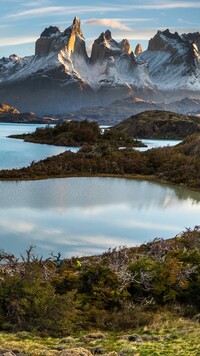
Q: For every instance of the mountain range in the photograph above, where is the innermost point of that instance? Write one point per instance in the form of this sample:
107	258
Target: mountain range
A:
60	77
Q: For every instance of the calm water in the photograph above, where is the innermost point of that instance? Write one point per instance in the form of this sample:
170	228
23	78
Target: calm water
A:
79	216
16	153
157	143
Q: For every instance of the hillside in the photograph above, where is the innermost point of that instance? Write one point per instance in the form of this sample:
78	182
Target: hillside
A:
124	301
158	124
11	114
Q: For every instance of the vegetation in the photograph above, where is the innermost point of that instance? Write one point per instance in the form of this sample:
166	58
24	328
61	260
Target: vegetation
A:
78	133
159	124
125	300
142	300
178	165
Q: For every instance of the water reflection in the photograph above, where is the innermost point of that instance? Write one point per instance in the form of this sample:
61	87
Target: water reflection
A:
78	216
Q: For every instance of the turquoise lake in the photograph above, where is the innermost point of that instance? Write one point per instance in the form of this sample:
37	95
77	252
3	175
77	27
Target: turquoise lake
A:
15	153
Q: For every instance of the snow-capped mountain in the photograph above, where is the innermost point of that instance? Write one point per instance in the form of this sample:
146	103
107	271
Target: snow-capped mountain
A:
174	62
61	77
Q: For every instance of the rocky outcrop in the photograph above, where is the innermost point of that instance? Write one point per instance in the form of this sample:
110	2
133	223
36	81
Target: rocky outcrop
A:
7	109
159	125
80	351
105	46
138	49
10	114
53	40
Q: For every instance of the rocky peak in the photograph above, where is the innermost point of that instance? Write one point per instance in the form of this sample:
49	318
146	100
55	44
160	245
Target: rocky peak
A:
157	43
138	49
50	31
125	46
74	29
70	42
108	35
105	47
4	108
193	38
173	42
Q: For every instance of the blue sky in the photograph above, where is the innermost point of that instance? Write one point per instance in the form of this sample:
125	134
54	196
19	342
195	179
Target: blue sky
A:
22	21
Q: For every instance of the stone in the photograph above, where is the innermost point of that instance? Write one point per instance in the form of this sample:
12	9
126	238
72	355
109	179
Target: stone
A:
75	352
138	49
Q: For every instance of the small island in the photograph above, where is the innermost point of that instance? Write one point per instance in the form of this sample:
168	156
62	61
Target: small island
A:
101	154
78	134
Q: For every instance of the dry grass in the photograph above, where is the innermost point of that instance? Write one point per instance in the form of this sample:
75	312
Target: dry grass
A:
167	335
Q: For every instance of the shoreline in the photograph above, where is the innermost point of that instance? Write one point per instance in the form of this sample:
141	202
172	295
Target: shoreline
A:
152	179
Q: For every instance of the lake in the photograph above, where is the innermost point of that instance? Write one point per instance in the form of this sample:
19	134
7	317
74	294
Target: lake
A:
16	153
81	216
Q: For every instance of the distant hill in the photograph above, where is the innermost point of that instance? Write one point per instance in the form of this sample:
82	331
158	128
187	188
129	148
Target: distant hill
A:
11	114
158	124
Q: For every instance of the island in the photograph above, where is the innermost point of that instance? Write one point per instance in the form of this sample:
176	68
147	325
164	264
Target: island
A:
110	153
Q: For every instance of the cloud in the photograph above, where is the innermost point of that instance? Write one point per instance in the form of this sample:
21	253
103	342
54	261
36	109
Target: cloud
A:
59	10
16	226
147	33
185	22
108	22
35	3
139	34
147	225
9	41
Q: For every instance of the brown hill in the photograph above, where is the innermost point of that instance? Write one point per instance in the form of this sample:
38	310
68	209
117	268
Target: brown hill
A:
190	146
160	125
11	114
8	109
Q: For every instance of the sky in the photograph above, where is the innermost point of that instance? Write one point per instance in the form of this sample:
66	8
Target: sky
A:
22	21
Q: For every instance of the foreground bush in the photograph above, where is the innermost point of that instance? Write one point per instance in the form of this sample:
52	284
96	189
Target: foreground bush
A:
119	290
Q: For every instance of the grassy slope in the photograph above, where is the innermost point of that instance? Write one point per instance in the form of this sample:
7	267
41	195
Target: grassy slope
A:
167	335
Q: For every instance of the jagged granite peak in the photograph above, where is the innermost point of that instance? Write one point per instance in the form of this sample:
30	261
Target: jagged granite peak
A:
76	27
172	42
60	77
53	40
138	49
105	46
174	61
50	31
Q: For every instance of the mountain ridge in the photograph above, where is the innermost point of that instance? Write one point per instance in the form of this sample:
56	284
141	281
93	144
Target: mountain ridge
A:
60	77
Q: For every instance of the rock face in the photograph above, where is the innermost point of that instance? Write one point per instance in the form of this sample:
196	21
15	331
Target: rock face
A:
60	77
160	125
10	114
53	40
105	46
174	62
138	49
6	109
